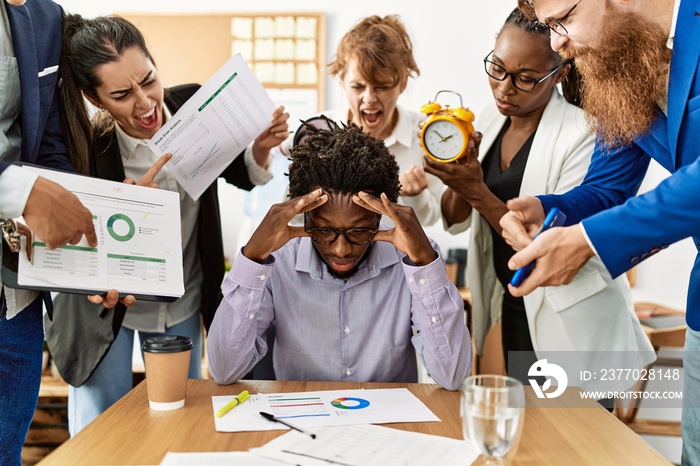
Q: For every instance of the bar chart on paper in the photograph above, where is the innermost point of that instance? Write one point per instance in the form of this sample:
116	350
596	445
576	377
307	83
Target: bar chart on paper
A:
284	407
323	408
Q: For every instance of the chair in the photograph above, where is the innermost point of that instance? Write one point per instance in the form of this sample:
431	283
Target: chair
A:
453	273
264	369
664	327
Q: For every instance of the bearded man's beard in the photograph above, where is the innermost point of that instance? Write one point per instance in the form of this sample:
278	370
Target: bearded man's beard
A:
624	79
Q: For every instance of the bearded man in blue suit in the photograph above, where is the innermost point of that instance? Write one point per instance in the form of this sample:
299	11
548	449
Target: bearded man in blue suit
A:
30	131
639	60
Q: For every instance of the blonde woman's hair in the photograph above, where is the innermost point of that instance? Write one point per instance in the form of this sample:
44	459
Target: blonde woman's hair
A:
381	48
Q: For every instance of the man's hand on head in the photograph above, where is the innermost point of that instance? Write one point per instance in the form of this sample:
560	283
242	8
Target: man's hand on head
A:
274	231
407	235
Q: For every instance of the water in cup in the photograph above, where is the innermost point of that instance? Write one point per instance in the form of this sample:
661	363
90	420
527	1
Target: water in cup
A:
494	434
493	408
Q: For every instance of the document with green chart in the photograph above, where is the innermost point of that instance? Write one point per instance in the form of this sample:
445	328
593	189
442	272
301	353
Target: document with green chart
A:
214	126
139	247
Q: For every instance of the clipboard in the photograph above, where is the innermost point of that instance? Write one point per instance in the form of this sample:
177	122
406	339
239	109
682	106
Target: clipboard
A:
10	263
16	236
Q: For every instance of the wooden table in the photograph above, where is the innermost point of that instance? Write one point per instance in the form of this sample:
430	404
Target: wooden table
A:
129	433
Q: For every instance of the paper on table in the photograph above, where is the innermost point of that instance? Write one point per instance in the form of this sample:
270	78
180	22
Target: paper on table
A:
218	459
214	126
368	445
139	248
323	408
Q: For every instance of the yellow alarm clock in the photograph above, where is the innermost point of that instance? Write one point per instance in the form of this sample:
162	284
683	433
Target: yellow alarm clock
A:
445	134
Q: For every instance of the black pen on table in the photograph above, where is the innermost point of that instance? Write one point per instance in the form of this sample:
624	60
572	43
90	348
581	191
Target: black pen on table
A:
272	418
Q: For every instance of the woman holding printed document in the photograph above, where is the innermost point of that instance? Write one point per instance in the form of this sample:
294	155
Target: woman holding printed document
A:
106	61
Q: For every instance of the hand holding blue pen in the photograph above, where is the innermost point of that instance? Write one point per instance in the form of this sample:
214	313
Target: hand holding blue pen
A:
554	218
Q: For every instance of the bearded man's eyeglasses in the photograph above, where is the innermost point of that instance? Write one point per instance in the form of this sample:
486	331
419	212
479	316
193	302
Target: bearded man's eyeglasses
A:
557	25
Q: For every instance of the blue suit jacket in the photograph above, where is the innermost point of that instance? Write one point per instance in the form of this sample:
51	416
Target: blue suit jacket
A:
36	36
629	233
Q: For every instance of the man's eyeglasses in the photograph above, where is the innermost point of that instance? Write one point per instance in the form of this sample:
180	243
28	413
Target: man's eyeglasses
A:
557	25
325	235
520	81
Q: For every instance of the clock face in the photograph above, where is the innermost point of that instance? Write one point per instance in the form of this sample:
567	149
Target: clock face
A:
444	140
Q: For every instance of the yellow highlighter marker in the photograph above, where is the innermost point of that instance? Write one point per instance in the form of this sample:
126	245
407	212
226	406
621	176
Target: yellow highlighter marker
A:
238	399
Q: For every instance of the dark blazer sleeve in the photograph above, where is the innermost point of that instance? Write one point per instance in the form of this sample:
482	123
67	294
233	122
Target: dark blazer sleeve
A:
42	136
236	173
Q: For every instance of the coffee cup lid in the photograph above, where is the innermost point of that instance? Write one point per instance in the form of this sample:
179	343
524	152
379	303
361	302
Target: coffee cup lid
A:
167	344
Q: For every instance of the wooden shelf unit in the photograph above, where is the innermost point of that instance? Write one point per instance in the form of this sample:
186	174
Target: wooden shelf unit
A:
191	47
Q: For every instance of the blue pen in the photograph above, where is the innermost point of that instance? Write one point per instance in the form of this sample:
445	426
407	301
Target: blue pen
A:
554	218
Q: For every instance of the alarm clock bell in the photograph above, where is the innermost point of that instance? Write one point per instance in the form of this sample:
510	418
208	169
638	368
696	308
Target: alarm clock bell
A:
446	132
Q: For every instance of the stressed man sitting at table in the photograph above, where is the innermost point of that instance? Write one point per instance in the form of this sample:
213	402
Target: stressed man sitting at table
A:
350	301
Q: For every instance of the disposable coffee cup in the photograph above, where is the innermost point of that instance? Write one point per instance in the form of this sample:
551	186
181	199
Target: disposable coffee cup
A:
167	359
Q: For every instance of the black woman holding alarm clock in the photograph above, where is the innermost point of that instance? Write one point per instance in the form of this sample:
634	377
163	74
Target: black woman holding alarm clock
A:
532	140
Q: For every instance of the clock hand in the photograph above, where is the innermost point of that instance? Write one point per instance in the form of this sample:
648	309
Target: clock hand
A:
448	137
440	135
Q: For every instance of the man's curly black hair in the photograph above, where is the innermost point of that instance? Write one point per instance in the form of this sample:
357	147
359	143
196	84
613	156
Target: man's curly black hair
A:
342	160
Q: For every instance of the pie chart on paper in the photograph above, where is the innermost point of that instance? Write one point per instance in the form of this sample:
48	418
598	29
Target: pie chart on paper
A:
350	403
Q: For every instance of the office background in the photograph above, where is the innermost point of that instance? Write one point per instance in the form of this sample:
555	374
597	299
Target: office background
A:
450	37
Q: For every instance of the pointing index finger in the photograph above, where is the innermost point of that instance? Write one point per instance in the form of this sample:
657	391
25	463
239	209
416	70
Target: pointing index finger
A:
150	175
90	234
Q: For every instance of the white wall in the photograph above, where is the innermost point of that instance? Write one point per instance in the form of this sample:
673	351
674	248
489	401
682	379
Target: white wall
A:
450	42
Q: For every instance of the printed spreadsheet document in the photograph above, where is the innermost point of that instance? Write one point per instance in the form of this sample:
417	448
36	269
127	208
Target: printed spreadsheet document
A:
323	408
139	248
214	126
368	445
